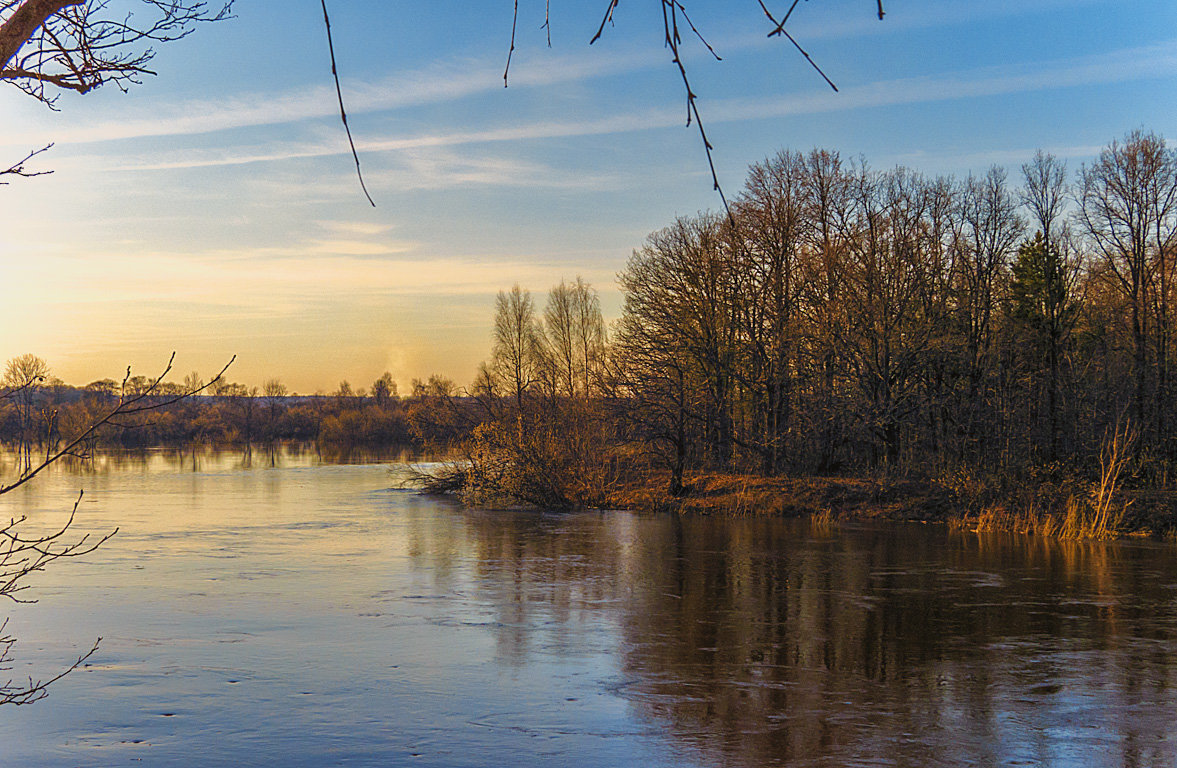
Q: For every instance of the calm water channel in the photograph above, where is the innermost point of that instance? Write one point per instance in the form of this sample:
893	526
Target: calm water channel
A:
309	615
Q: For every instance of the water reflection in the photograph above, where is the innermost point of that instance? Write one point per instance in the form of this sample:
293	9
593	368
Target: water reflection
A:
201	457
760	642
309	610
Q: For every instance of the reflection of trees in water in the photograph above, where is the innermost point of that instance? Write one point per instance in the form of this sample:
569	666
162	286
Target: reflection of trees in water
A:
761	641
921	648
549	582
199	456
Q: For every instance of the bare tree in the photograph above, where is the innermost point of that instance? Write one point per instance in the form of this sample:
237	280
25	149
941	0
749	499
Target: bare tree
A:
573	333
678	339
1128	209
990	229
770	223
886	333
558	336
23	377
50	46
517	357
588	334
274	392
1044	195
384	389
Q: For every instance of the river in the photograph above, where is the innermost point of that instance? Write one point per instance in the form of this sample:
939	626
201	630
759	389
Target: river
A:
308	614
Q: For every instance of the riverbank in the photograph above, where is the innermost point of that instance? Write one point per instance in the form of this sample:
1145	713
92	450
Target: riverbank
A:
833	499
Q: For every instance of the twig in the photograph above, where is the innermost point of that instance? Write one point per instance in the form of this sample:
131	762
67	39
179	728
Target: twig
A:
136	403
672	38
809	59
779	29
511	51
18	168
342	110
606	20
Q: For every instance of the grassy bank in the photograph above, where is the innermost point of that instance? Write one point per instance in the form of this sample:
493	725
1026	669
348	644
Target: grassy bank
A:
834	497
1068	509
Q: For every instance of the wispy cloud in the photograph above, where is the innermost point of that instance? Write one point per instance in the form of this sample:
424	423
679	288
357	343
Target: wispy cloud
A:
1119	66
442	83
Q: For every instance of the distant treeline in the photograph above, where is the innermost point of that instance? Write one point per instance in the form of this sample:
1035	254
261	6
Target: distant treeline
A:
39	413
845	319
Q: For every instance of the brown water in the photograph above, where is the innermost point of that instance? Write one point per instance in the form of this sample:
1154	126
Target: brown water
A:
309	615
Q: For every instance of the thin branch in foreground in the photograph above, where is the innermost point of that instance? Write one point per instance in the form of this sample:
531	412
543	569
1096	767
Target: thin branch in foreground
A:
672	40
779	29
36	690
808	58
138	402
608	19
20	556
511	50
778	26
18	168
342	111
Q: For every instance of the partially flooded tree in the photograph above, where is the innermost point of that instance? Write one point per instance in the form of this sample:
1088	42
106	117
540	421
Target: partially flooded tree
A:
23	377
274	393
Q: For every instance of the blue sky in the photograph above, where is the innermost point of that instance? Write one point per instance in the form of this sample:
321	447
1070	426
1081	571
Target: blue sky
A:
214	209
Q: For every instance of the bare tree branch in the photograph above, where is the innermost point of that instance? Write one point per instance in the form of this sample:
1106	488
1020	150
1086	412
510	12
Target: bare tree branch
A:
137	402
511	50
49	46
22	554
18	168
343	112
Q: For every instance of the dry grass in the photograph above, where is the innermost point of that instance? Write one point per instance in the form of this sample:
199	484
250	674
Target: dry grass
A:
1097	514
829	498
823	523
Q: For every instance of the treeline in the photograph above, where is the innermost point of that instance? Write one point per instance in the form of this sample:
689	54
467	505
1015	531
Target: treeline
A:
39	413
846	319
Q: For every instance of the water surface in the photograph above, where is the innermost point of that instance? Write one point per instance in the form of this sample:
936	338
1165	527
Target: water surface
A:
317	615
